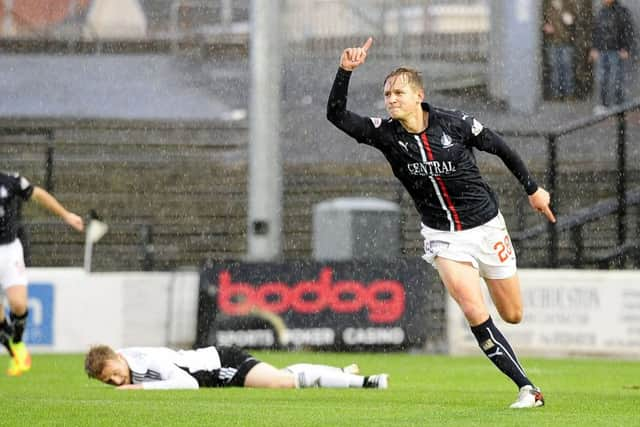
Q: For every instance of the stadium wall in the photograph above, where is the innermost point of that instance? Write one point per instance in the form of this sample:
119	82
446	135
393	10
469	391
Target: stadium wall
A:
71	310
566	313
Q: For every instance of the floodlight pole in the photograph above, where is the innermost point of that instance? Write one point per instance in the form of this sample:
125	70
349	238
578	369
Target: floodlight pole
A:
264	226
515	54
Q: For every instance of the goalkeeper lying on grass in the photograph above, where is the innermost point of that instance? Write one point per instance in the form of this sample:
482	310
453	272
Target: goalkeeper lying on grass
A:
163	368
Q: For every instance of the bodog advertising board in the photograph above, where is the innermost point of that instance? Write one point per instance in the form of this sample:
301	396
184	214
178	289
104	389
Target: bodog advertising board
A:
341	306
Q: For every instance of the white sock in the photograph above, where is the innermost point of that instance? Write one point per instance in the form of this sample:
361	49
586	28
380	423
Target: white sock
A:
309	375
333	380
355	381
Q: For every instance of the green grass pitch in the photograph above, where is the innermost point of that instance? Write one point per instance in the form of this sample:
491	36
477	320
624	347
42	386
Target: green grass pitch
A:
424	390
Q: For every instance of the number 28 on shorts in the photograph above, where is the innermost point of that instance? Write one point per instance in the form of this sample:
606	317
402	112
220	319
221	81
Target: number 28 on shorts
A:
503	248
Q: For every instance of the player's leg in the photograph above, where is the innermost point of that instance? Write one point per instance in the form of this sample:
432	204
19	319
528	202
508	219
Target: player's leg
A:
5	327
506	296
15	280
17	298
5	330
462	281
264	375
497	265
311	375
240	369
18	312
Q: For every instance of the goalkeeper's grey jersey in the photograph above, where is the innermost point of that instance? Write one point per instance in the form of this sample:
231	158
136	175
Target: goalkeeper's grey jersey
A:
164	368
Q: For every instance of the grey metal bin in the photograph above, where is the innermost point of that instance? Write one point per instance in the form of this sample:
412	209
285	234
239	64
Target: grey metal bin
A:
355	228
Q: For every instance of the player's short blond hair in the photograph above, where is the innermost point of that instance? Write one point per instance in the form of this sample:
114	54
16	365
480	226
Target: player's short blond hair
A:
413	76
97	358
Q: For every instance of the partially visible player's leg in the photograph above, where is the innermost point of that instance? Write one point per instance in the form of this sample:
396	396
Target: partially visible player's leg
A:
506	296
21	360
17	297
264	375
498	266
529	397
241	369
311	375
14	279
6	273
462	281
500	274
5	331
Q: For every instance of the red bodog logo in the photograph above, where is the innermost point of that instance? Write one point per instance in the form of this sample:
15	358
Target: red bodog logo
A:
383	299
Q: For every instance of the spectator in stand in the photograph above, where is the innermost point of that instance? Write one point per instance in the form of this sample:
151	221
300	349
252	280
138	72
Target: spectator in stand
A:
612	40
559	33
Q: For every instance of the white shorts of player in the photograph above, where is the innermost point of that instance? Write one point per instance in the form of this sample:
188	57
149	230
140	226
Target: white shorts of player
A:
487	247
12	269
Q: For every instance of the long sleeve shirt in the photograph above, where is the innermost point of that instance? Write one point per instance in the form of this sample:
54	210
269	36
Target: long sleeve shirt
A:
437	166
164	368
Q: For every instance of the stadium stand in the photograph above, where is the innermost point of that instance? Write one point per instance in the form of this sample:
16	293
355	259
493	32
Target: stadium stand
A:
155	141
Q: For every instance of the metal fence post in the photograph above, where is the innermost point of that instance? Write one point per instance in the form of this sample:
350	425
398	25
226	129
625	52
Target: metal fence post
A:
48	161
622	177
578	242
551	186
147	250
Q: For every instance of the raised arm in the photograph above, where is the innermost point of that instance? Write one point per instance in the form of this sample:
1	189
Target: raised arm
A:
354	125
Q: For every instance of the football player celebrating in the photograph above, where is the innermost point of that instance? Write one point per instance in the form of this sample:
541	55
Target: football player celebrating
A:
430	151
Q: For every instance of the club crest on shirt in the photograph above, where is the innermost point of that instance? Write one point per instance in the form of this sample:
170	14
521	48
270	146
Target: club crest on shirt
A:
377	121
446	140
24	184
476	127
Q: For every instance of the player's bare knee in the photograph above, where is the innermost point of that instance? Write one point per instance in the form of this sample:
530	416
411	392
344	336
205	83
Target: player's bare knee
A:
18	307
513	316
283	381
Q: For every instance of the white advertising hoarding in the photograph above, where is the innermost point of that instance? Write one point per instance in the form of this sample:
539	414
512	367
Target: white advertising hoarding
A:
70	310
566	312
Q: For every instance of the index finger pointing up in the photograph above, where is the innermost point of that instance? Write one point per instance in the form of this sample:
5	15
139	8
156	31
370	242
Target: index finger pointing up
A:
367	44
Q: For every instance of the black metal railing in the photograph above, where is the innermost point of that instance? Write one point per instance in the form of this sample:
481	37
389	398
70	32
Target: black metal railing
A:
575	222
47	133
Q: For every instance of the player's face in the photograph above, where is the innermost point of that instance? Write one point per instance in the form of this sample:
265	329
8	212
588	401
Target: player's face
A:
116	372
401	99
